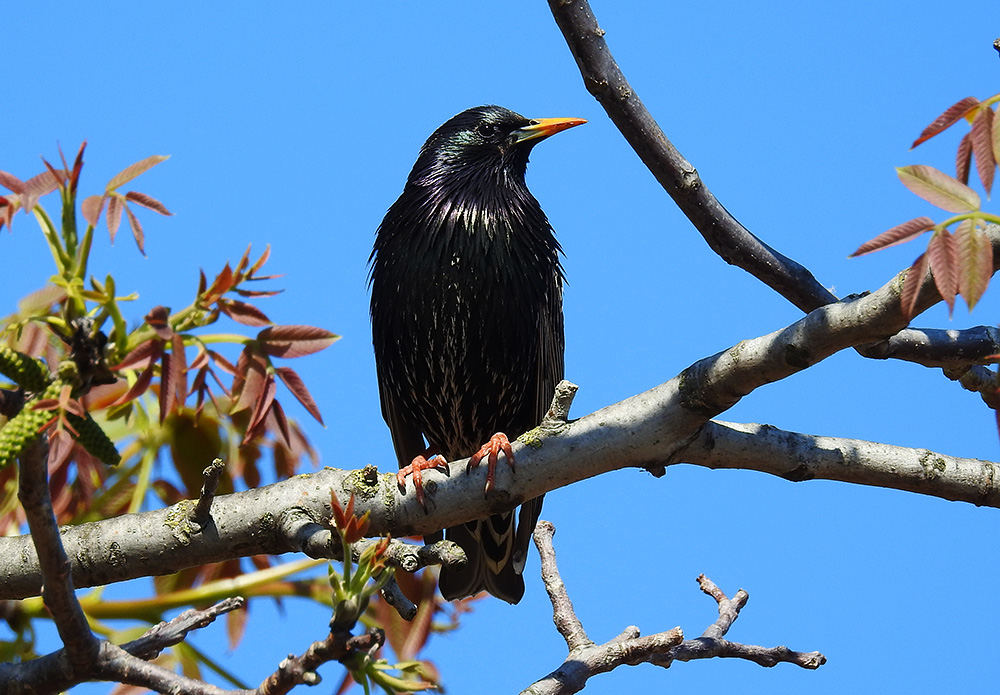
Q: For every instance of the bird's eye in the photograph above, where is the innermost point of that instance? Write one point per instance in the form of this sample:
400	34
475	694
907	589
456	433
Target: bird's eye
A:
486	130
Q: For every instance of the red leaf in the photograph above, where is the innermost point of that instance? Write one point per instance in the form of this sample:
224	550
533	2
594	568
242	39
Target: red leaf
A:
222	362
260	261
951	115
178	368
244	313
223	283
963	158
899	234
148	202
74	177
244	259
295	341
130	172
138	388
937	188
236	626
114	215
944	265
11	182
262	405
298	388
982	147
911	285
258	293
142	355
60	447
975	260
995	137
250	379
92	207
280	423
36	187
168	394
133	222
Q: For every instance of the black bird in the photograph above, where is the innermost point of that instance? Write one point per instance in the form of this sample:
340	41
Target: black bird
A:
467	321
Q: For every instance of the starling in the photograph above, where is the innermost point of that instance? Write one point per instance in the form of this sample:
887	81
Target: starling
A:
467	321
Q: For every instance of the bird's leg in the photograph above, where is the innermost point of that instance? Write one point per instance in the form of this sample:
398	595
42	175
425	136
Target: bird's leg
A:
428	459
498	442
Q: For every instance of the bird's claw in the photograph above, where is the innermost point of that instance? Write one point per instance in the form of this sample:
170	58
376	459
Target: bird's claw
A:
490	450
421	463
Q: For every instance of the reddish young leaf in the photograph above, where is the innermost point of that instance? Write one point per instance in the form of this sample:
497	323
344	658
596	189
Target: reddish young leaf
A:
963	158
295	341
130	172
261	407
222	362
236	626
952	114
148	202
168	394
258	293
278	423
251	370
982	147
899	234
975	260
133	222
260	261
178	368
298	388
944	265
113	218
244	313
60	447
142	355
74	177
92	207
937	188
11	182
37	186
7	209
244	260
223	283
995	138
138	388
911	285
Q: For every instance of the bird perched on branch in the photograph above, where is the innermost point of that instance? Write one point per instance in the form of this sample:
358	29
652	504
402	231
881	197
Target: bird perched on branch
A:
467	322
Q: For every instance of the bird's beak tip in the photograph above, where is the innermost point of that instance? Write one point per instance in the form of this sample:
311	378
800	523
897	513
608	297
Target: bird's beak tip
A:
544	127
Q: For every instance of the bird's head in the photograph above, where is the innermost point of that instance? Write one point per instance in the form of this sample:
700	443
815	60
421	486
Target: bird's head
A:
484	139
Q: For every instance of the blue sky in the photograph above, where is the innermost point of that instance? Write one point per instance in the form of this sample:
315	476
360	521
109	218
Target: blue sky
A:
295	124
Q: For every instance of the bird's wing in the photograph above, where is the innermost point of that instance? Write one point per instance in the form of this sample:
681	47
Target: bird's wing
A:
549	372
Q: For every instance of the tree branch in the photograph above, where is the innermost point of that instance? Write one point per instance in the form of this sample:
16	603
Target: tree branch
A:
586	659
799	457
725	235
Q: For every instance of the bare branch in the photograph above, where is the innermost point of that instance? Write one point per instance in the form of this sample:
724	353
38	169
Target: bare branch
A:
723	232
587	659
57	582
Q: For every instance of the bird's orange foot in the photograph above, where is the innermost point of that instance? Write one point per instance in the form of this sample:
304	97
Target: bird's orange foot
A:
420	463
491	449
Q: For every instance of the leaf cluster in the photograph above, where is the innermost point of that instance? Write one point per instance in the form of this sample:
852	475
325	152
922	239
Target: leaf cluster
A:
959	254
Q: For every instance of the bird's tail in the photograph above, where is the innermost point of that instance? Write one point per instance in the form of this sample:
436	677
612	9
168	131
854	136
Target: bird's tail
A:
496	549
